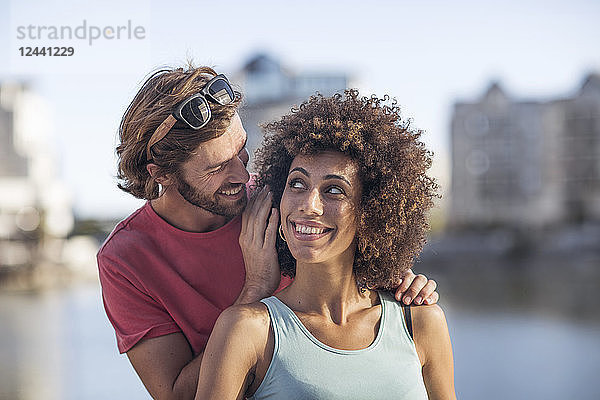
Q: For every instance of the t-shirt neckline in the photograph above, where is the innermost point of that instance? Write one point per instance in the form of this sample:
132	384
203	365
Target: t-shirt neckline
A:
153	215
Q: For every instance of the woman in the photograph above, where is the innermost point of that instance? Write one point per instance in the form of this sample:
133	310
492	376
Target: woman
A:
349	177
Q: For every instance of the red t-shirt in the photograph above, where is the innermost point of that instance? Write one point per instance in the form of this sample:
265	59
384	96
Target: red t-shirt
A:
157	279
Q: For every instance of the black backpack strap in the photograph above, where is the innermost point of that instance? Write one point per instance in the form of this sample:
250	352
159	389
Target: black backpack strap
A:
408	319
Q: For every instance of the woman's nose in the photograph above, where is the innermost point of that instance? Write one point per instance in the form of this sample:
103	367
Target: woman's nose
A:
312	203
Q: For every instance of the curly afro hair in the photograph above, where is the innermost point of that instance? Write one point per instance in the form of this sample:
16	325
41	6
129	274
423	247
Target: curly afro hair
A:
392	162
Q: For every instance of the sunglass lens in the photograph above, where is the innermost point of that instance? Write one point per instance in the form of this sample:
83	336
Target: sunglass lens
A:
221	91
196	112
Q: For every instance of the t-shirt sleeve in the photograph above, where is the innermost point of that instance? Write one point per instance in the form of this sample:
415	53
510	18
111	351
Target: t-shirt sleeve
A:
133	312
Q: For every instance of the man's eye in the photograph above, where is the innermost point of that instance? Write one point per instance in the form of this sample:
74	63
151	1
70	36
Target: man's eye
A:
216	170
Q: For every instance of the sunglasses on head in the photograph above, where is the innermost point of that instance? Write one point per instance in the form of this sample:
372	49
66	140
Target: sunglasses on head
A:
195	110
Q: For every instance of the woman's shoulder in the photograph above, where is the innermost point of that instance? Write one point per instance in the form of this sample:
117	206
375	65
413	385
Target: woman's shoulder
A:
429	316
253	316
429	322
430	332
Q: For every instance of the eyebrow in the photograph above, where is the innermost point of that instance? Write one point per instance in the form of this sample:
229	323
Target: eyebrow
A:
226	161
330	176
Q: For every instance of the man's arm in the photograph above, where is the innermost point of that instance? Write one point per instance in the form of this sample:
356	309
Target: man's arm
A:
166	366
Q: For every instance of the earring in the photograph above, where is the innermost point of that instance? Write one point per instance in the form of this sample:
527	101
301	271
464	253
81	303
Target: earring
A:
281	233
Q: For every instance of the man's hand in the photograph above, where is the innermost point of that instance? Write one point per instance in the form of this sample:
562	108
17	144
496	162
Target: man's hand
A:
257	240
416	289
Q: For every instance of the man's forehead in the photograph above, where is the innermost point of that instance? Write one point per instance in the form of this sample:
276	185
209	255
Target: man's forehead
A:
224	147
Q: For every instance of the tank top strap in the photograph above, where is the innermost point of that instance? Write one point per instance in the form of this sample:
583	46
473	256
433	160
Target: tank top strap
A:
287	328
280	313
396	323
277	315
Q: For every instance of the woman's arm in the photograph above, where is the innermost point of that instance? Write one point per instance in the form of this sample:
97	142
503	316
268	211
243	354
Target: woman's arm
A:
236	345
435	351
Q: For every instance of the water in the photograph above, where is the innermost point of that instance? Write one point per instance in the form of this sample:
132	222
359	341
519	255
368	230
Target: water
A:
506	355
59	345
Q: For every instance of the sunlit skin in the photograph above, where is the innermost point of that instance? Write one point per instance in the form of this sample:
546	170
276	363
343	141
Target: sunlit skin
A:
217	166
322	195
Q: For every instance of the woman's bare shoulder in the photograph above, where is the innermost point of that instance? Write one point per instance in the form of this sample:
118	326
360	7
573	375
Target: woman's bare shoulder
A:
250	320
430	332
253	316
428	316
434	349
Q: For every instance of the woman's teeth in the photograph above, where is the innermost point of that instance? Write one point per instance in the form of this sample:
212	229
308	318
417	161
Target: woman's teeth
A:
308	229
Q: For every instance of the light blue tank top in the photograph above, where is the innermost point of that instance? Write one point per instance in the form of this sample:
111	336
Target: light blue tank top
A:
305	368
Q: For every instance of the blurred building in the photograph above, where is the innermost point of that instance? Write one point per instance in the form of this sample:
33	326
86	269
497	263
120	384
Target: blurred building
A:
35	207
271	90
526	164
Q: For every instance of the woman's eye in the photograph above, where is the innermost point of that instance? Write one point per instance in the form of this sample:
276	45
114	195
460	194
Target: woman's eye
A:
296	184
335	190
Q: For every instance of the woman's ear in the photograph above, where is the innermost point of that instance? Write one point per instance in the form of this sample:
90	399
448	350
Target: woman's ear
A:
154	171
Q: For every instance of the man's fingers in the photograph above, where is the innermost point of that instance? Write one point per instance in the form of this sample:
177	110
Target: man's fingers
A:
427	291
271	231
257	200
433	298
249	214
245	218
261	218
407	280
419	290
248	211
415	287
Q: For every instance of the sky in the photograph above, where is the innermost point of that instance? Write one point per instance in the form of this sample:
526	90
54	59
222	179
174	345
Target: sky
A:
427	54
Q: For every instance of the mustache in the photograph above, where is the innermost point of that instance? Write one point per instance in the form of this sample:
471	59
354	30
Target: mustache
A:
232	186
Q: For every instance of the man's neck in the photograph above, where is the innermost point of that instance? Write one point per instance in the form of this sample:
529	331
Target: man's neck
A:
183	215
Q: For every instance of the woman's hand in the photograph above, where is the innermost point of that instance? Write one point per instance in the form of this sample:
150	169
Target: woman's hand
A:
257	240
416	289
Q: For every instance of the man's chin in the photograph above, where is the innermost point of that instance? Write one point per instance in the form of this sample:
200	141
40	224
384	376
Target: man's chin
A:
226	206
233	209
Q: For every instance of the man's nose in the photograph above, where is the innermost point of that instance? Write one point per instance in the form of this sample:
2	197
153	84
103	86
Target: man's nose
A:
238	171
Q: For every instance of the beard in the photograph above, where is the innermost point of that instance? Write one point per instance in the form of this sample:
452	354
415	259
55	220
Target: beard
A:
210	202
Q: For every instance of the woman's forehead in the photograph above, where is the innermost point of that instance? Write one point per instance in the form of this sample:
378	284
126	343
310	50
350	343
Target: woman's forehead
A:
326	163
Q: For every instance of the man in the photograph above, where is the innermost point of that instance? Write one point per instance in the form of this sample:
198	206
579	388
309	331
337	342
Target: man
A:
170	268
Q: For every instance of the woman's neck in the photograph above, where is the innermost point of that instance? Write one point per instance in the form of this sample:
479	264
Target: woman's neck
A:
328	289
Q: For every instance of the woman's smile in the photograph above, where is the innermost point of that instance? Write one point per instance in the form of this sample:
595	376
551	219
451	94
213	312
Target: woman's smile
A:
318	206
309	230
